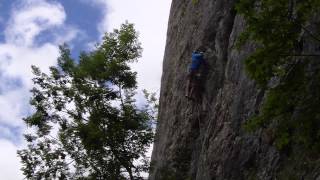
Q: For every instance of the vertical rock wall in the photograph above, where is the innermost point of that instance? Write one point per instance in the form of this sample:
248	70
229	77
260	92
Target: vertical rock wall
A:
204	140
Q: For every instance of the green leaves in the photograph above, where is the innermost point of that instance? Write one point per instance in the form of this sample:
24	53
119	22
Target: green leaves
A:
86	117
275	33
278	65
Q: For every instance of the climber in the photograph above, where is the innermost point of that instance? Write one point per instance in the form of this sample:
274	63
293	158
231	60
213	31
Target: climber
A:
193	82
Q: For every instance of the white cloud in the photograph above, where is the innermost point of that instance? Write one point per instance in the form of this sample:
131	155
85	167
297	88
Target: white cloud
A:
31	18
69	34
16	61
18	52
14	106
150	18
10	163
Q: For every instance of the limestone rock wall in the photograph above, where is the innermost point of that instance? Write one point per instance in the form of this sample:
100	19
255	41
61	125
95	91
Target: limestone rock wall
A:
204	140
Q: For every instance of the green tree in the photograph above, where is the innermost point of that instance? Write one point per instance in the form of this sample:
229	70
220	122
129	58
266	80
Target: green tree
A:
87	125
284	69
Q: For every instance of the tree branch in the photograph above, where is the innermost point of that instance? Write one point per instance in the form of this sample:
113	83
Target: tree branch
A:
301	55
310	33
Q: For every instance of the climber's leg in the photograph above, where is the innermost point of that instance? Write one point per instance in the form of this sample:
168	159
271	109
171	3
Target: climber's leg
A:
196	86
191	92
189	84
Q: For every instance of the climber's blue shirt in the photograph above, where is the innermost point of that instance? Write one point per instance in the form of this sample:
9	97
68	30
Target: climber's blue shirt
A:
197	59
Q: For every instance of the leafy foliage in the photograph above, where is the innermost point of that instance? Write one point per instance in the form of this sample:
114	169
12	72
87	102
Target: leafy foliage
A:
279	66
195	2
87	123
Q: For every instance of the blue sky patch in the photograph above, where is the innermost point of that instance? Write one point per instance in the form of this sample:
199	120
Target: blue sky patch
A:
80	15
5	9
9	83
85	17
11	133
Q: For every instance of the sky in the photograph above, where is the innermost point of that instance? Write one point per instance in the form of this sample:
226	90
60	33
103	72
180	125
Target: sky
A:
32	30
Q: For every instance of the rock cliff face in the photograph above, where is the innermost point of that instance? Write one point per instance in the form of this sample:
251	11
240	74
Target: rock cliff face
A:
205	140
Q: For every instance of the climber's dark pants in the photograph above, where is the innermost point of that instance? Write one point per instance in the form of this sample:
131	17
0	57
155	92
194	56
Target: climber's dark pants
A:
192	84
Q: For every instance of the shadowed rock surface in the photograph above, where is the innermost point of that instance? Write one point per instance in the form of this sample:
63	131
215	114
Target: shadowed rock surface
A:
205	140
